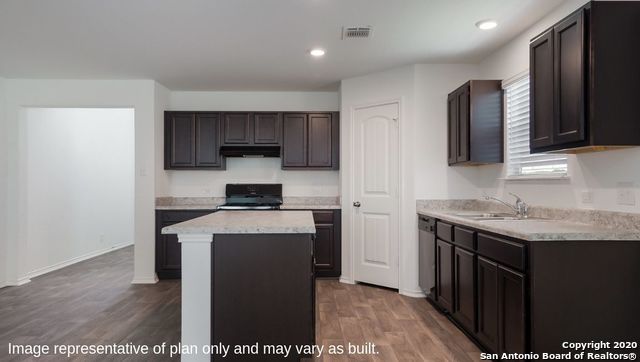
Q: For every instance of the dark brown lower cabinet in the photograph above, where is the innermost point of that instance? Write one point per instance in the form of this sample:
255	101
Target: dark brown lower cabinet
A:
327	253
168	250
444	267
263	291
487	332
511	311
531	296
327	244
464	309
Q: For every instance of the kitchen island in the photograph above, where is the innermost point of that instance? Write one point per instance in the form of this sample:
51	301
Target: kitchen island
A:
247	278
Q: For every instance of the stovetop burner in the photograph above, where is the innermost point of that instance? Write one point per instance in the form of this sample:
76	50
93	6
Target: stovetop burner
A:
248	207
253	197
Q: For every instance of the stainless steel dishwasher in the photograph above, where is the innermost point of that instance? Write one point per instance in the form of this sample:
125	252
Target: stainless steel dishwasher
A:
427	256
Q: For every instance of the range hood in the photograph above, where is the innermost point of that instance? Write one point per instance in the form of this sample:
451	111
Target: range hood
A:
250	151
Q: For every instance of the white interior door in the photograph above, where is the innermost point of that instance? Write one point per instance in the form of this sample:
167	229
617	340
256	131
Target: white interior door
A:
376	200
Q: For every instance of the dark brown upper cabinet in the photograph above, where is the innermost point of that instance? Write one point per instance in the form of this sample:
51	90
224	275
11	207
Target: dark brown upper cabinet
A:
475	123
541	110
294	140
192	141
310	141
266	128
582	98
237	128
208	140
249	128
180	136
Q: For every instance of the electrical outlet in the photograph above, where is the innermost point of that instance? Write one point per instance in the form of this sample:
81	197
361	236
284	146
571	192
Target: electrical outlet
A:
626	194
587	197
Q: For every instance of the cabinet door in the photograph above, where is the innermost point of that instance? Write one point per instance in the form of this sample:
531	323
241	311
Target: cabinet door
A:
180	140
294	140
168	249
324	247
541	92
208	140
452	127
444	264
266	128
487	331
464	310
320	140
237	128
511	311
464	113
170	253
327	243
569	88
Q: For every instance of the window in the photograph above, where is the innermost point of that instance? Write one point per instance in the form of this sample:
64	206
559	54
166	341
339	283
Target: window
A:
520	162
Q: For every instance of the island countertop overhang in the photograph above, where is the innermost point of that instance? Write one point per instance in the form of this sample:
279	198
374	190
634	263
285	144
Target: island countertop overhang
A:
247	222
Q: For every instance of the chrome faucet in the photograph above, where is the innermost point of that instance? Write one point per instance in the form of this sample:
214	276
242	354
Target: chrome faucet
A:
520	207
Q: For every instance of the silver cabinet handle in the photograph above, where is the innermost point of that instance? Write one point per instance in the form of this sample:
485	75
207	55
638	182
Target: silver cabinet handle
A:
357	204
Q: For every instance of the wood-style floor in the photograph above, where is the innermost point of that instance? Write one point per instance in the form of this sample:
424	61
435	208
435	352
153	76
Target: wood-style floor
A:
94	302
403	328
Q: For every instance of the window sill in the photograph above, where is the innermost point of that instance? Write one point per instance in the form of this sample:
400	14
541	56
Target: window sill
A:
536	178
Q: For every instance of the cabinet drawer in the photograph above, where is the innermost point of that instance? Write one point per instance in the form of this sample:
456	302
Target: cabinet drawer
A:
444	231
464	238
503	251
180	216
323	217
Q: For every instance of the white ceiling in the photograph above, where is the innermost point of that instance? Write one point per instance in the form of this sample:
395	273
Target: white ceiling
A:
247	44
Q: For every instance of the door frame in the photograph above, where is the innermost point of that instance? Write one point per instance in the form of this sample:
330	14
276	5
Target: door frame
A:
351	218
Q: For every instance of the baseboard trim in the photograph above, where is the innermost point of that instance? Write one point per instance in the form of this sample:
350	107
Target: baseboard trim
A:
346	280
74	260
16	283
412	293
22	281
146	280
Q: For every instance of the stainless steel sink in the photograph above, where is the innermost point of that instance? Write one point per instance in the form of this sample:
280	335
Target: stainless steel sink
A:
492	217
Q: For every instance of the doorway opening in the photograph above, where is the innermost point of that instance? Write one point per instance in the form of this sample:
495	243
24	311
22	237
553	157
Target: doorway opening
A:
78	172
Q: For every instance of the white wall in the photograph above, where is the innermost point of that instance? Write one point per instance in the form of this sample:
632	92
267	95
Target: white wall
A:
211	183
434	179
136	94
422	91
161	103
599	173
80	185
3	188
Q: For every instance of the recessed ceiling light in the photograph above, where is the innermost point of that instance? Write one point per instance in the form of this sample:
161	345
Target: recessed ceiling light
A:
317	52
486	24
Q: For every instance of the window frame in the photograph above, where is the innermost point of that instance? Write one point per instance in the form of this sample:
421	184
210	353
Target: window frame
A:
508	173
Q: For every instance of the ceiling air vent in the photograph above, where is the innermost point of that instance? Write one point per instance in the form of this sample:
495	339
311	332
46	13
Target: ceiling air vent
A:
356	32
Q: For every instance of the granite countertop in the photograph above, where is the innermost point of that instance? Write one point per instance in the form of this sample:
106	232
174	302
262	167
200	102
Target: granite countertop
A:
546	224
247	222
211	203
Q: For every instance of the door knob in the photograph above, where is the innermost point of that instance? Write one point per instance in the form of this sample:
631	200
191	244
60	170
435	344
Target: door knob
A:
356	204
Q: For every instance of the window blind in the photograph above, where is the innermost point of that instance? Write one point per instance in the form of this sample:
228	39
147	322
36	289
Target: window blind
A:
520	162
